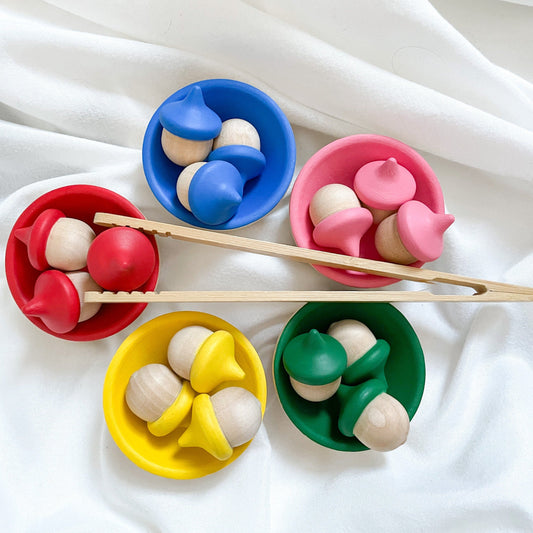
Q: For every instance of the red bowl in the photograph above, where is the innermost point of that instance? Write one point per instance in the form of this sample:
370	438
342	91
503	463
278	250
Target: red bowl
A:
81	202
338	162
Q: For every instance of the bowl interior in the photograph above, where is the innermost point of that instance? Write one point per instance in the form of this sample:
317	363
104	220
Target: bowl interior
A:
81	202
404	370
148	344
229	99
338	162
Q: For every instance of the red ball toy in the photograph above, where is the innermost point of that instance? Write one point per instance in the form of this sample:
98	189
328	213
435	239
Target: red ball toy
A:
121	259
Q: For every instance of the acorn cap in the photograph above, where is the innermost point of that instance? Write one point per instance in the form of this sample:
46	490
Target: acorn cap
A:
55	301
215	192
354	400
314	358
249	161
204	431
190	118
343	230
121	259
384	184
36	236
175	414
215	362
421	230
370	365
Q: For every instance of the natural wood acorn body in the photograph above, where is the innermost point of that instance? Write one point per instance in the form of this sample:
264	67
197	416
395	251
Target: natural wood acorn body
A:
83	282
237	131
68	243
183	347
184	182
151	390
331	199
383	424
182	151
389	244
238	413
315	393
355	337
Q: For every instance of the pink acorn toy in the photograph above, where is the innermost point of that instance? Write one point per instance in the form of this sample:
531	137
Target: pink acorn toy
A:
57	241
383	186
58	300
339	220
414	233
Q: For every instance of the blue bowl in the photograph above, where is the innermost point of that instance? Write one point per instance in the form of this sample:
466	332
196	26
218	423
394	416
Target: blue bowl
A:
229	99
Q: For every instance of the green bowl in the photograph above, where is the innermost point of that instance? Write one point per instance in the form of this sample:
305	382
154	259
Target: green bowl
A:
405	369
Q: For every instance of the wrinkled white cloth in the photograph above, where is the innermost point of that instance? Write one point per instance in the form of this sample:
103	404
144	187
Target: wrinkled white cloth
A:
454	80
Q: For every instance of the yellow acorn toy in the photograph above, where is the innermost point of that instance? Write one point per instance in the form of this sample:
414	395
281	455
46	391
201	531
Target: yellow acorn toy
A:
156	395
204	357
223	421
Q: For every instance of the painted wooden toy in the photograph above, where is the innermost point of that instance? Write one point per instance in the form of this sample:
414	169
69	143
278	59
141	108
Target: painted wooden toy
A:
223	421
366	355
383	186
189	127
315	363
414	233
247	160
212	191
339	220
58	300
121	259
374	417
156	395
204	357
57	241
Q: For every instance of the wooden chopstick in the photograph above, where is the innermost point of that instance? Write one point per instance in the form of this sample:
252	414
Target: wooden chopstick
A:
297	296
499	291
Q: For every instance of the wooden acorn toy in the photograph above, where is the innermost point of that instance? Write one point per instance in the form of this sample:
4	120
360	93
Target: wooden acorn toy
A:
223	421
371	415
315	363
212	191
414	233
366	355
339	220
156	395
204	357
239	144
121	259
383	186
57	241
189	127
58	300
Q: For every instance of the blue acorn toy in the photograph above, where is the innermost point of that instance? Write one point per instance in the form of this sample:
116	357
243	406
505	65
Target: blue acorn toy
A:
211	191
239	143
189	127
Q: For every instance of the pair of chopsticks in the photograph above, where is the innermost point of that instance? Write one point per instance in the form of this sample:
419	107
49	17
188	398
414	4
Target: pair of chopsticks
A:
484	291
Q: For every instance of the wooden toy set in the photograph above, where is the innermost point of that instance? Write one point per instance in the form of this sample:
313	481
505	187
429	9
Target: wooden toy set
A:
185	393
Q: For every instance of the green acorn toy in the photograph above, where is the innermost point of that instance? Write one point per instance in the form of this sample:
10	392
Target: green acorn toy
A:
315	363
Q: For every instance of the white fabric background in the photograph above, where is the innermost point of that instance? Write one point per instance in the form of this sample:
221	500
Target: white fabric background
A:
453	79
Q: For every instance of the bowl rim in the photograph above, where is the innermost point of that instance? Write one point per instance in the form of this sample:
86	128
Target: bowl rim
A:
30	213
174	320
300	236
345	310
239	220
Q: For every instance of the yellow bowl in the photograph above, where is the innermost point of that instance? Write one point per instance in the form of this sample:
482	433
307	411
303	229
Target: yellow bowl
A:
148	344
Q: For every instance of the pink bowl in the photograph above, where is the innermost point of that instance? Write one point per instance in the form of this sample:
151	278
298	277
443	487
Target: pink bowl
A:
81	202
337	163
